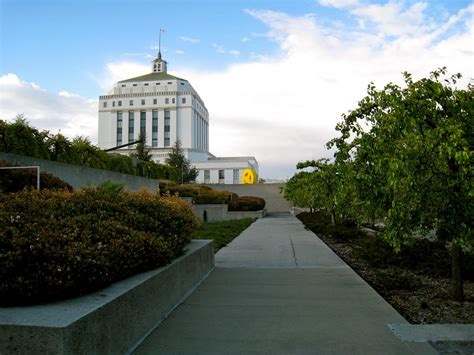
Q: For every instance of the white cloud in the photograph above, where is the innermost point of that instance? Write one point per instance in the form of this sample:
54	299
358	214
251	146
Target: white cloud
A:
283	108
234	52
179	51
68	112
189	39
338	3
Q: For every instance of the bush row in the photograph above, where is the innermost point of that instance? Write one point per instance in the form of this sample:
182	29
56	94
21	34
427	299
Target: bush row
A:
202	194
55	245
20	138
17	179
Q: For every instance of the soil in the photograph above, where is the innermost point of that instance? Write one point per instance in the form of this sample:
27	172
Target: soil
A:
415	281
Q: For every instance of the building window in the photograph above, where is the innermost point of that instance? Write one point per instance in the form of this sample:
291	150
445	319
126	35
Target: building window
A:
182	83
158	83
236	176
104	104
170	82
143	102
120	103
113	103
146	84
154	129
207	176
221	176
143	123
173	100
155	101
131	126
131	102
167	128
134	84
167	101
119	128
123	85
183	100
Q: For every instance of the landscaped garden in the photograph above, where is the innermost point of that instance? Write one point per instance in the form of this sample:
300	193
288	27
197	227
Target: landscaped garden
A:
415	281
61	244
403	166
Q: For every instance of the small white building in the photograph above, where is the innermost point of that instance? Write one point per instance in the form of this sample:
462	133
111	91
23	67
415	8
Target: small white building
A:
165	108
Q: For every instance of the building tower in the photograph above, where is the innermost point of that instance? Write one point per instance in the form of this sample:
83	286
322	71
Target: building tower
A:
164	108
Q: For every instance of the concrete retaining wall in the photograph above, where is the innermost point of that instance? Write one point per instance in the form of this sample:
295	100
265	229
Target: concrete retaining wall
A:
213	212
216	213
246	214
110	321
79	176
275	202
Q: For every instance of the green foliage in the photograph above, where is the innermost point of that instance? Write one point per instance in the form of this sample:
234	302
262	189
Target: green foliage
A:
247	203
404	155
19	138
186	172
19	179
223	232
142	153
55	245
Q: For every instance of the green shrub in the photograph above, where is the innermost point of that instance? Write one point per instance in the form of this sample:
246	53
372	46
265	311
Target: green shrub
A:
19	179
213	197
55	245
189	190
247	203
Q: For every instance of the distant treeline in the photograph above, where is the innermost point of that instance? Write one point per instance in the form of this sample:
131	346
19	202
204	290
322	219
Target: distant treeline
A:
19	137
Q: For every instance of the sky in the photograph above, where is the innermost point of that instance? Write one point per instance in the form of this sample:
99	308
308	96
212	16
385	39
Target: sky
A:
275	75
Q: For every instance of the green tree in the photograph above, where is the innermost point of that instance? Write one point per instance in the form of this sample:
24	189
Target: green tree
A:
20	138
412	152
186	172
142	153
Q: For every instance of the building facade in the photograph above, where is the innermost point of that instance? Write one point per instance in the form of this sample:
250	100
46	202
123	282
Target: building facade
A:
165	108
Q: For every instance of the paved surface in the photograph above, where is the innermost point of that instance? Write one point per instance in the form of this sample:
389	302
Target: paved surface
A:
277	289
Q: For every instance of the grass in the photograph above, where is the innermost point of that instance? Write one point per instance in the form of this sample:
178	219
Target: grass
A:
223	232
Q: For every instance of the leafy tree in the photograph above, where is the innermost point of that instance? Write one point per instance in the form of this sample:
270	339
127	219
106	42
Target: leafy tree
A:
19	138
412	153
60	148
142	153
186	172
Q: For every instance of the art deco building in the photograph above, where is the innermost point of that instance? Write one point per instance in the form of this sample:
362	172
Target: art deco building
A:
165	108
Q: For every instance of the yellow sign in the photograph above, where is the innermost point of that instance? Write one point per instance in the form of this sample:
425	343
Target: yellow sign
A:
249	176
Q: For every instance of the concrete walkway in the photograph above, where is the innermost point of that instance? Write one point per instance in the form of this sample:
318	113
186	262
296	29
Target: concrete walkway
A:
278	289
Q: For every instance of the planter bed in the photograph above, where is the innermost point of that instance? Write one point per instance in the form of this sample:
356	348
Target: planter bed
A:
112	320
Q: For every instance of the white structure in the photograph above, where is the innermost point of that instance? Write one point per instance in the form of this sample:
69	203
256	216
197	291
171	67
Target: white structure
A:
165	108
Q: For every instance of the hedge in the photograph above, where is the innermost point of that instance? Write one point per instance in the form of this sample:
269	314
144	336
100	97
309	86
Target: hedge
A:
203	194
247	203
18	179
19	137
55	245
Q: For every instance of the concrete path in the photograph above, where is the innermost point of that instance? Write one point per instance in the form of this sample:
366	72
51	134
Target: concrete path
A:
277	289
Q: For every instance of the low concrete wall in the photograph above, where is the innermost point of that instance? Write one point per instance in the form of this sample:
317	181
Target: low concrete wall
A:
79	176
110	321
246	214
213	212
275	202
216	213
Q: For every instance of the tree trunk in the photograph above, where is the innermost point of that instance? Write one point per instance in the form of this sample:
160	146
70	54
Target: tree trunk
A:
333	218
457	290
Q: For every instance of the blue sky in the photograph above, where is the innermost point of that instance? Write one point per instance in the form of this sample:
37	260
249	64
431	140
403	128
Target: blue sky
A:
275	75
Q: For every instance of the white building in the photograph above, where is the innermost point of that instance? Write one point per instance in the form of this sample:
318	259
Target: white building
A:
165	108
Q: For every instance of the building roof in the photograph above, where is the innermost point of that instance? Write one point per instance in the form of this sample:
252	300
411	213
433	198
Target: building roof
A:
156	76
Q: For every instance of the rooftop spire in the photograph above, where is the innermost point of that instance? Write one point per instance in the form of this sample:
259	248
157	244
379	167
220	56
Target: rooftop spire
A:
159	65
